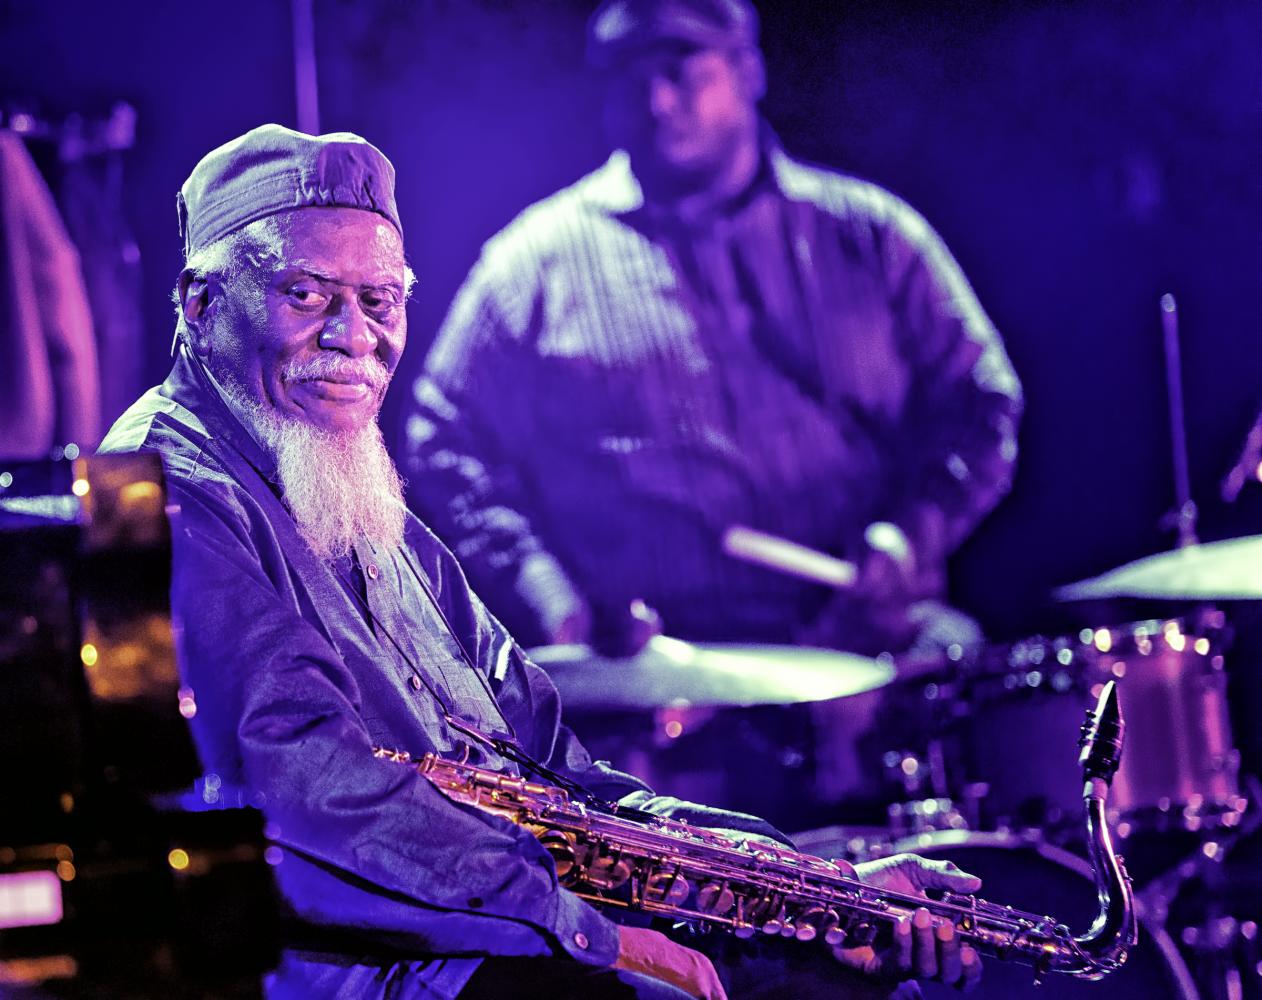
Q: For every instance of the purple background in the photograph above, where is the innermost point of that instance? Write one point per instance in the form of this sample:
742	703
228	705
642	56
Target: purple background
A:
1079	158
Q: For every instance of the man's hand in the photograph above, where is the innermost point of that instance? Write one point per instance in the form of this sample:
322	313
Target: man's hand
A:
574	628
625	631
615	633
652	954
870	617
923	946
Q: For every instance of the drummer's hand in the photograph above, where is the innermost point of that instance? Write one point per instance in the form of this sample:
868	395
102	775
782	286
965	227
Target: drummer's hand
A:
923	946
887	566
625	631
652	953
575	628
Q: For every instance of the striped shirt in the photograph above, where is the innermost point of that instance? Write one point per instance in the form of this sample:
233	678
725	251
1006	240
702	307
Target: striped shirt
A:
613	388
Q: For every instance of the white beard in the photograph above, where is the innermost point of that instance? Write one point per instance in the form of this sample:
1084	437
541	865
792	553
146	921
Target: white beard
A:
340	488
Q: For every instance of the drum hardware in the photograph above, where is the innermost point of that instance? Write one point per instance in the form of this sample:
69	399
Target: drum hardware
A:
1225	953
1183	517
1024	696
908	819
1223	947
675	712
924	804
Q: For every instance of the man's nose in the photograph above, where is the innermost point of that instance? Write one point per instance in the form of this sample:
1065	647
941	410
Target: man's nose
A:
347	330
663	96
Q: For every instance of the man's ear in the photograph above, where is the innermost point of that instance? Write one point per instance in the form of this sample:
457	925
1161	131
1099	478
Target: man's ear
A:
752	73
194	306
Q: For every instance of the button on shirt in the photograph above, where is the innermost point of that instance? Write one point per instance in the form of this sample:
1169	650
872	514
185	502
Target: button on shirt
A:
396	604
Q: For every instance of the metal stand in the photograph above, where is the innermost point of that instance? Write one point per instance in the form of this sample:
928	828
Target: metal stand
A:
1223	949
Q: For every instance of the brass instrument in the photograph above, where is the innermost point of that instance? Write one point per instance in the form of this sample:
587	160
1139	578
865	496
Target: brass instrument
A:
666	867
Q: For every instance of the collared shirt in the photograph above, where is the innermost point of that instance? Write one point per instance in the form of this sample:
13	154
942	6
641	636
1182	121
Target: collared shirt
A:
299	668
614	387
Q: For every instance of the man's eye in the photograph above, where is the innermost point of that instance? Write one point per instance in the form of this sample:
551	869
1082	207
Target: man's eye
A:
381	303
304	295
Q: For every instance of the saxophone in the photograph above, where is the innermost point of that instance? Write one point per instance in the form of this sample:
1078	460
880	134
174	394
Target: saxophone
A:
689	873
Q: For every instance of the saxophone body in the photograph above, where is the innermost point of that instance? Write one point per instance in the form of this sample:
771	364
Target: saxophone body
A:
665	867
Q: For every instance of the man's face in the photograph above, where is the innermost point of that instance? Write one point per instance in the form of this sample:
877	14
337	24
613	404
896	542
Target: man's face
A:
316	334
681	112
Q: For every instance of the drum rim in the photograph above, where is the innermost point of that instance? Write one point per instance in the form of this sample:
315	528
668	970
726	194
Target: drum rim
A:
1181	975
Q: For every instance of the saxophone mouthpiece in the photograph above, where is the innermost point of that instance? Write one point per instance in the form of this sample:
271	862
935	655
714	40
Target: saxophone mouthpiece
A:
1102	736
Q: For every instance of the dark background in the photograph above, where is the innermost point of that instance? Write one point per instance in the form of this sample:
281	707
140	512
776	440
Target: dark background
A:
1079	158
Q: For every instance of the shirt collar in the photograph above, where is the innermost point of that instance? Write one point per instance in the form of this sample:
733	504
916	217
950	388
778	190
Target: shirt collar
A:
615	189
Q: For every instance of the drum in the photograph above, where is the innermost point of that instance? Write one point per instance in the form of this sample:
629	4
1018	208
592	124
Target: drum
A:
1012	718
1028	873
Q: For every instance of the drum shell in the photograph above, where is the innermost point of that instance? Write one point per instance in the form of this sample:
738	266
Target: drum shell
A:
1018	738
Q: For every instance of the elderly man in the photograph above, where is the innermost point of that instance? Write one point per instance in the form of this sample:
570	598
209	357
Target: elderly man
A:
706	333
317	620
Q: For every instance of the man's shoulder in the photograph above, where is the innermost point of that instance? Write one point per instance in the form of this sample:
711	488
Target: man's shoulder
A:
165	426
158	423
555	224
844	196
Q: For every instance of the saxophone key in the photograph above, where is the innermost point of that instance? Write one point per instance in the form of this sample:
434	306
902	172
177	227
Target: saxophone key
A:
741	926
667	887
774	925
560	846
817	921
716	899
606	871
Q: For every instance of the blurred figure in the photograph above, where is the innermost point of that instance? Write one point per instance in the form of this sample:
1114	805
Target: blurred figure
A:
705	332
49	385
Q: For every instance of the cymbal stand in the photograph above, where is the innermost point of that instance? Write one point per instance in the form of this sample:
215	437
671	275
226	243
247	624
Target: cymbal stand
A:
1183	517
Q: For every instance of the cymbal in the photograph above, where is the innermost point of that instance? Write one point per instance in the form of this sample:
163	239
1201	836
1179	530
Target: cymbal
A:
670	672
1218	571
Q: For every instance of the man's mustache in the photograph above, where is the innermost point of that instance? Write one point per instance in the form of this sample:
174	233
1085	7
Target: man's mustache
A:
340	368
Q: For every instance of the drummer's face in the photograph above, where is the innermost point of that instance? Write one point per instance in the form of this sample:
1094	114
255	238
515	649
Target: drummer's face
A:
682	112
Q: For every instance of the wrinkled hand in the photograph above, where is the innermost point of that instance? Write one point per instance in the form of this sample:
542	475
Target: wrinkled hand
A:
651	953
923	946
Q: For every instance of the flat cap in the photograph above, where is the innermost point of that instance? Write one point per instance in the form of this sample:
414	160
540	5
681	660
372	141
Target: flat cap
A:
622	26
274	169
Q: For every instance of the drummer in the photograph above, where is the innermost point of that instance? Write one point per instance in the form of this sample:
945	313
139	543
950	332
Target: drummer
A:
707	332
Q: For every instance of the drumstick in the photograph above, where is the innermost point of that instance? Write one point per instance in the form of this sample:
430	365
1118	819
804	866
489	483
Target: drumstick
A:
778	553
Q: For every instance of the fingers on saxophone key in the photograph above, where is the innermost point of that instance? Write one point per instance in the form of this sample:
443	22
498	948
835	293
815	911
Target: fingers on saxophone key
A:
903	944
924	945
971	969
950	965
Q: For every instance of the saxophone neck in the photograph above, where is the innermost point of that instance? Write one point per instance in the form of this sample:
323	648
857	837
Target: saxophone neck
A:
1116	927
